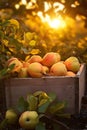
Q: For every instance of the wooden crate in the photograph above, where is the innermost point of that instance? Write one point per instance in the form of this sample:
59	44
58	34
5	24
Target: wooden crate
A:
2	96
70	89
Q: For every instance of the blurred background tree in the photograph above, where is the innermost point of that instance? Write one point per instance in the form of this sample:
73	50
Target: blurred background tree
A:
71	7
70	39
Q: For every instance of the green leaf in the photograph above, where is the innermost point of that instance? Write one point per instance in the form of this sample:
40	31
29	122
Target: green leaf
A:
5	23
64	115
37	93
22	105
3	124
43	96
1	35
15	43
40	126
42	108
11	66
52	96
57	107
28	36
6	71
3	72
43	101
33	102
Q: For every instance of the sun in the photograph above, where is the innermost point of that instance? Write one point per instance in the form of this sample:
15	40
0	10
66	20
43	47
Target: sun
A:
57	23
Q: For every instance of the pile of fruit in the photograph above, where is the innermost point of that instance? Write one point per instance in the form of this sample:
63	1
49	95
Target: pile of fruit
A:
48	65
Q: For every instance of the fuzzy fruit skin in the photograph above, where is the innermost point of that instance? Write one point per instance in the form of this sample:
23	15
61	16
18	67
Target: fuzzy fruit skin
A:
35	70
25	64
11	116
23	73
71	74
51	58
29	120
17	63
35	58
72	64
45	70
58	69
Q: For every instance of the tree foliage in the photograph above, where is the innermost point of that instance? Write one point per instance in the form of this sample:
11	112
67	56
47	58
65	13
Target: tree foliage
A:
67	41
81	6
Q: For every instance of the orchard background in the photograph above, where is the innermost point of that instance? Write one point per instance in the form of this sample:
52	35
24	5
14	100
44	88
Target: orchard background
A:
21	19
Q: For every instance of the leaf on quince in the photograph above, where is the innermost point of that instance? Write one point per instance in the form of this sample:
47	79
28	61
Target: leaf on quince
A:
52	96
37	93
22	105
33	102
43	101
42	96
4	72
40	126
43	106
55	108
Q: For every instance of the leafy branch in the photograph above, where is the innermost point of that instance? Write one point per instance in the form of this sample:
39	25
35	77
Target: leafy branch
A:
47	107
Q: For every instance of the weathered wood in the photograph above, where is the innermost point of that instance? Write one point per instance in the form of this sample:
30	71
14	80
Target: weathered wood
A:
70	89
2	96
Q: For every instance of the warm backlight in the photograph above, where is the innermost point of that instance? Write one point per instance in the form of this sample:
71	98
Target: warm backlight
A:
56	22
